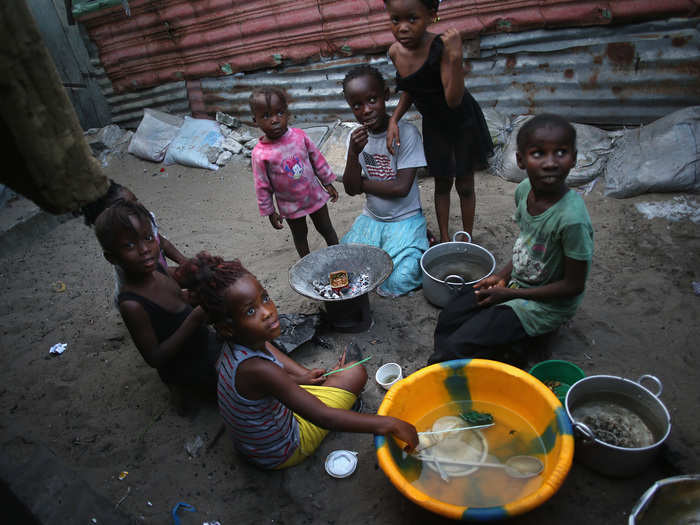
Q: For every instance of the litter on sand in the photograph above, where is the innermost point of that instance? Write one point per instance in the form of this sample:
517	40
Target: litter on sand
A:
58	348
677	209
296	329
184	506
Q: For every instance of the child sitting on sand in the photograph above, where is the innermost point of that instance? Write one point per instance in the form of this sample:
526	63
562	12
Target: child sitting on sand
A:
392	218
115	192
543	284
288	164
166	249
172	336
278	411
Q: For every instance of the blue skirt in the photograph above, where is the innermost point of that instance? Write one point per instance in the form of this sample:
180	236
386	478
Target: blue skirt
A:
404	241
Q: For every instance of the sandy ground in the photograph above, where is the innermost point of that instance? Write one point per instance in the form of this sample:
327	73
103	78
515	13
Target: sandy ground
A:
101	410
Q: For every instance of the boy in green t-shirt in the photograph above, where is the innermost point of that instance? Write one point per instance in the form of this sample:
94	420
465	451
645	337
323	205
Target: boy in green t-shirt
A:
542	286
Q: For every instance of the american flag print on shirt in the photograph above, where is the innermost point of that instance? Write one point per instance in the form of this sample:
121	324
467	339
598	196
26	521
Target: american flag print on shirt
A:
378	165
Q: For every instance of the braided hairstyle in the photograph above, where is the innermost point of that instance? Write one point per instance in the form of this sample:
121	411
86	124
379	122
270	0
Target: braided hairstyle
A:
362	71
267	92
208	277
431	5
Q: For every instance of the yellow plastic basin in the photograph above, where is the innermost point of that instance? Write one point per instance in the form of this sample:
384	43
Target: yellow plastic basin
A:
486	381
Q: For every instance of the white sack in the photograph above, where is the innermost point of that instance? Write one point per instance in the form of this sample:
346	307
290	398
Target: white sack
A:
197	141
154	134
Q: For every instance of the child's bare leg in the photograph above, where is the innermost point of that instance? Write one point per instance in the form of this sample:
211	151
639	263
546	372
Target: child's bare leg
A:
322	222
353	379
299	234
443	186
467	201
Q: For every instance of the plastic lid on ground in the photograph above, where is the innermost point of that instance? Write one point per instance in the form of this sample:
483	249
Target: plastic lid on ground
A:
341	463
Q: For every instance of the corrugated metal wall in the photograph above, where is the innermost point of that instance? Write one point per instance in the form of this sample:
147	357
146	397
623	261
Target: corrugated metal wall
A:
167	41
127	108
628	74
605	74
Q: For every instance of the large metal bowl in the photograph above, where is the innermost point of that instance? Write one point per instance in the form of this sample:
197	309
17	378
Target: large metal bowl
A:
353	258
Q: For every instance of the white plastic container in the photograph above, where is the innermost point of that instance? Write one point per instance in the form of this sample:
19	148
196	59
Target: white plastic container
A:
388	374
341	463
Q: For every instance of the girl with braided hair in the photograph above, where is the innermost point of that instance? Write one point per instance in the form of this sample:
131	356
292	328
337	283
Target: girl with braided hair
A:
277	411
429	73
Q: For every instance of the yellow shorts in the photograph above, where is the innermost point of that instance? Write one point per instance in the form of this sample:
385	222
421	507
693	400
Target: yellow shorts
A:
310	435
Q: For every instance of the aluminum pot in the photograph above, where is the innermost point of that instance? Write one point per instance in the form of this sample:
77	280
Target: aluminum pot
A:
603	457
438	289
669	500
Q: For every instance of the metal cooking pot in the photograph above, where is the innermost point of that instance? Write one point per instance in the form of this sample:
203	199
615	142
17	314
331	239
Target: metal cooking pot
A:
438	289
603	457
669	500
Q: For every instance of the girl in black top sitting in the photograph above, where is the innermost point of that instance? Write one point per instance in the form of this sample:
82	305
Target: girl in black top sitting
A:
171	335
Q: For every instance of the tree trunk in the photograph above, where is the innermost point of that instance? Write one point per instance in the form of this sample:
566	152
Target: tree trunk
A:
40	132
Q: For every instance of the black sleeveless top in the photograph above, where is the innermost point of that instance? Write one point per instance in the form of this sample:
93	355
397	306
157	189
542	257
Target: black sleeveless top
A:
425	86
196	363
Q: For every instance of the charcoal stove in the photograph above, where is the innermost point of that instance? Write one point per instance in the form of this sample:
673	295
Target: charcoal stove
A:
349	310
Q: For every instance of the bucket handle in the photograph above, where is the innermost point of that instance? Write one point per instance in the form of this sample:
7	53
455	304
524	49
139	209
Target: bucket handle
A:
588	434
655	379
454	286
454	237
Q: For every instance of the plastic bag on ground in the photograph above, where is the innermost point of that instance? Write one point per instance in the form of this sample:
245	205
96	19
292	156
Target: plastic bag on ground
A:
296	330
154	134
197	144
663	156
593	144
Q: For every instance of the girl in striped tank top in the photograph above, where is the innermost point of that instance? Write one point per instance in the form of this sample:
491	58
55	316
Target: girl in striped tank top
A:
277	411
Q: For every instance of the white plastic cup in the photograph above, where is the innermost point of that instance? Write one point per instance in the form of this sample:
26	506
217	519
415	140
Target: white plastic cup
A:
388	374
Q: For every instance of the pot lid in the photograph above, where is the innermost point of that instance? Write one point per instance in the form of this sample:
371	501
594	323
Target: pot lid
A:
341	463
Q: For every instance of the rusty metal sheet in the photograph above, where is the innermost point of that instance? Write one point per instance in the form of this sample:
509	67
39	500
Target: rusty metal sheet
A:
627	75
162	42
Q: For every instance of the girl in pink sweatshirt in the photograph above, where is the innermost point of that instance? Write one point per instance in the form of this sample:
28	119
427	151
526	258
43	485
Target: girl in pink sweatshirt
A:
288	164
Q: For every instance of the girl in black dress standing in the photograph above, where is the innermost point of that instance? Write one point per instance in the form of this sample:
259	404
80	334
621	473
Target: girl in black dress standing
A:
429	73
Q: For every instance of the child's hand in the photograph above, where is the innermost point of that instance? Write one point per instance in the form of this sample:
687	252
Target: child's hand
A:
403	431
392	137
200	314
276	220
332	191
190	296
493	295
358	140
314	377
490	282
453	43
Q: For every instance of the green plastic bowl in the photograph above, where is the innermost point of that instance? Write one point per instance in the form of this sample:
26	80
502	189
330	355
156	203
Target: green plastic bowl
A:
564	372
